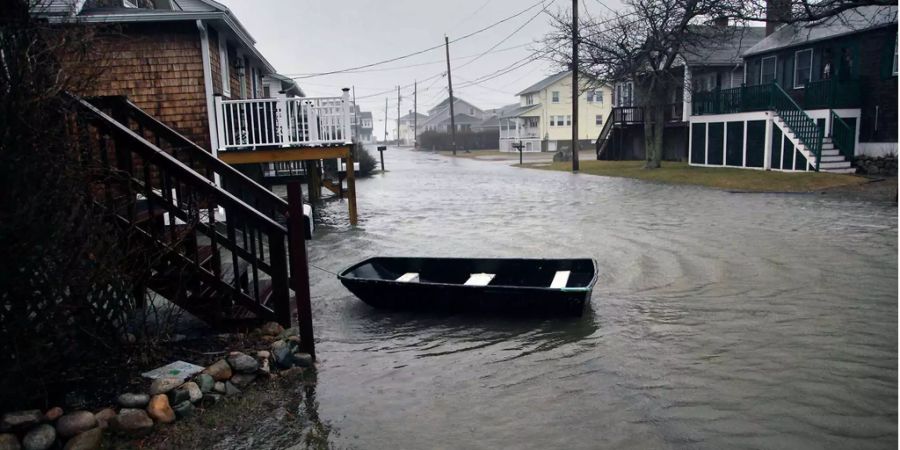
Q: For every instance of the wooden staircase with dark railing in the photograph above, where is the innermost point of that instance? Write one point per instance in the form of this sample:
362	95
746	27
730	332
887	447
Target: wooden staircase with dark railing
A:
220	240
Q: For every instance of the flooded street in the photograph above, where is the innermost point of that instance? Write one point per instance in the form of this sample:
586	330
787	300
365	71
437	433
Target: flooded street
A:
718	320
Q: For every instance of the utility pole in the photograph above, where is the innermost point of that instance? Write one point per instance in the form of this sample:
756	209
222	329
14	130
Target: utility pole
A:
415	115
385	120
574	85
450	89
398	115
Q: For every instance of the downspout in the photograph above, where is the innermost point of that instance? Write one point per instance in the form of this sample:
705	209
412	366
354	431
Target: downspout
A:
208	85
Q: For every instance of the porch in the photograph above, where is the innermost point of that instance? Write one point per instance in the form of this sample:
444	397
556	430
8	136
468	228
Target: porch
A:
822	94
289	133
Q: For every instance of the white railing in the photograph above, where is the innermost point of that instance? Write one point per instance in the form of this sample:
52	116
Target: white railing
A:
283	122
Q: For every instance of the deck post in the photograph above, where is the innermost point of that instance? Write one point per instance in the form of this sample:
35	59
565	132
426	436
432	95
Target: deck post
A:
351	187
300	267
281	106
220	122
345	115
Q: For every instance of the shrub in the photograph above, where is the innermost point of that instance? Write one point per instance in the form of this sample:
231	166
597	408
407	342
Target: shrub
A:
366	161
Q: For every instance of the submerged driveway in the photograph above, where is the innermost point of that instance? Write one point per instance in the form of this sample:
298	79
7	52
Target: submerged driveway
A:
718	321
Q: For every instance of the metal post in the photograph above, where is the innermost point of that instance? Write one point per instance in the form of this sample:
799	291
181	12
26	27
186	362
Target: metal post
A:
450	89
300	267
385	120
574	85
415	115
398	116
381	149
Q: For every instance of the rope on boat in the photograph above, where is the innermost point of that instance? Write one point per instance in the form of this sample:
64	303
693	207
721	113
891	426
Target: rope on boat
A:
323	270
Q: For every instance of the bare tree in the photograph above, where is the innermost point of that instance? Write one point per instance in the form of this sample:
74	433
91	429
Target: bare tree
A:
799	10
642	43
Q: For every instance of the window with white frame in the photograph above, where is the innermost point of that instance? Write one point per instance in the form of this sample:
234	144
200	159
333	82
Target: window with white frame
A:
598	120
223	66
802	67
552	121
529	99
568	120
590	96
767	69
554	96
598	96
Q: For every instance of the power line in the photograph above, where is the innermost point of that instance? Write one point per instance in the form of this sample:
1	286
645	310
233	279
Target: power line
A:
510	35
470	15
425	50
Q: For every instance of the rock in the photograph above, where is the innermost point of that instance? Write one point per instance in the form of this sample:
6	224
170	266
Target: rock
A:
231	389
210	399
89	440
104	416
75	422
242	363
268	339
206	382
178	395
293	372
20	420
264	367
220	370
132	421
278	344
164	385
263	355
159	409
303	359
271	329
131	400
292	331
9	441
219	387
242	379
53	413
184	409
40	437
193	390
563	154
284	358
75	400
293	341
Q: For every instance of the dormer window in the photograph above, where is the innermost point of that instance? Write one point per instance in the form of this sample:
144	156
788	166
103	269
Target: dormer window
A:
529	99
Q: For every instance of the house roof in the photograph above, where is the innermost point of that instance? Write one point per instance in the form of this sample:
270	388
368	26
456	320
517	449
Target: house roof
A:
446	102
209	10
365	114
519	110
288	85
540	85
723	48
847	22
409	116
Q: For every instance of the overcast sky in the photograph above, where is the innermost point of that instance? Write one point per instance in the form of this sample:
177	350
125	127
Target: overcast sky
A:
312	36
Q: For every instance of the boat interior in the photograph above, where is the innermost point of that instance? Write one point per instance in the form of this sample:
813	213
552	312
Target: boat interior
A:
546	273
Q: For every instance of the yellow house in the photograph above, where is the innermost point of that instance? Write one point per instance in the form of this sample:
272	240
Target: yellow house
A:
543	117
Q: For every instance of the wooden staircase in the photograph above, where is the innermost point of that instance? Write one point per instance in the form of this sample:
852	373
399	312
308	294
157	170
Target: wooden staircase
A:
217	242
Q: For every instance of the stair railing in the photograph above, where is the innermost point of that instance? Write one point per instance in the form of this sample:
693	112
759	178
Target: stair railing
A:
842	136
603	137
201	225
806	129
194	156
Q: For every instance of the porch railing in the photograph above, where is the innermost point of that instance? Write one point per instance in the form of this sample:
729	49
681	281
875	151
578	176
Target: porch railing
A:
842	135
734	100
283	122
627	114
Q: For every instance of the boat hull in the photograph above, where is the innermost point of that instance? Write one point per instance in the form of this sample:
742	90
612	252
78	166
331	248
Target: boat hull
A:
457	298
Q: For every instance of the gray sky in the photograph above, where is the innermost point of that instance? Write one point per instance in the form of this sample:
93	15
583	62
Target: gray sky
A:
311	36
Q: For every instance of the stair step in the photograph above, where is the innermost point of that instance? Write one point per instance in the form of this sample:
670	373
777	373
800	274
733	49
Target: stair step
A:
834	165
850	170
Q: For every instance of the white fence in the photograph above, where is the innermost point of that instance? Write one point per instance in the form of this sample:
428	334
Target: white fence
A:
282	122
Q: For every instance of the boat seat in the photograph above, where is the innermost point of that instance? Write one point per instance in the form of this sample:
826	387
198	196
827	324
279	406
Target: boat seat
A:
561	279
480	279
409	277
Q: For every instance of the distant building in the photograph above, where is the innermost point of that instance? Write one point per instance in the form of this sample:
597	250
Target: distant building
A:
543	116
364	127
407	127
466	115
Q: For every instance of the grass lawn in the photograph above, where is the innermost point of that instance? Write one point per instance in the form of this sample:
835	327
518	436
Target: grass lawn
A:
721	178
475	153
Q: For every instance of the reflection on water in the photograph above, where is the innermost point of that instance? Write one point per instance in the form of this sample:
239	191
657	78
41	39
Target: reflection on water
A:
718	321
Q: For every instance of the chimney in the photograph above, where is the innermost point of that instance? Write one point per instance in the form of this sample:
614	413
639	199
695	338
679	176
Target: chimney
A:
777	13
721	22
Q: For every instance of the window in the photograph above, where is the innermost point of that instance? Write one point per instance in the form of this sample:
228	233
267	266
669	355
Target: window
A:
894	69
767	70
223	65
554	96
624	94
471	111
598	96
598	120
802	67
590	96
529	99
569	121
552	121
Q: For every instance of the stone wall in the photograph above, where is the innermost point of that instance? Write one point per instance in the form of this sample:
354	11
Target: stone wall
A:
883	166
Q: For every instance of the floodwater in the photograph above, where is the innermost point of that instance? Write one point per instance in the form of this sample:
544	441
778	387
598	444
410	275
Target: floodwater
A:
719	320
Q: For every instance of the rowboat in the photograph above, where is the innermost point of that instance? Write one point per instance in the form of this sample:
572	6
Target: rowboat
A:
492	285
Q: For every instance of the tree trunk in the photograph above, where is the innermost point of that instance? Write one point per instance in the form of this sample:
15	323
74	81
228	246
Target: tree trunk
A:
654	126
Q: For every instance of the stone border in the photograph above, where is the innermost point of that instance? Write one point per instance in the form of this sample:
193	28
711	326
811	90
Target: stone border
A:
165	401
